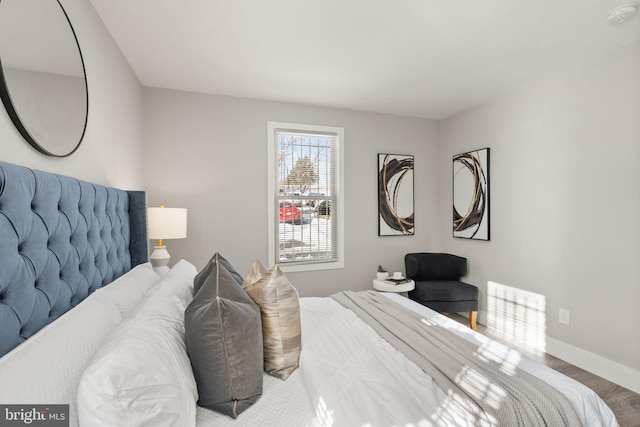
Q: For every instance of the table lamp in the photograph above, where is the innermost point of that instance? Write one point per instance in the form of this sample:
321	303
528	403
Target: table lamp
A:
165	223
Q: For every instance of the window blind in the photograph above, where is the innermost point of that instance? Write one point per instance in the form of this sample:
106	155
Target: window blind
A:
306	190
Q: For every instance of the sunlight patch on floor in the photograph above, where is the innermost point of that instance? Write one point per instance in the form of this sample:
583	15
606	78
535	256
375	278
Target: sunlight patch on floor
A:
518	315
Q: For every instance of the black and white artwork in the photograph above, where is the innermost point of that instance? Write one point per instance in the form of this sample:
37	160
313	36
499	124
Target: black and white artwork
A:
395	195
471	195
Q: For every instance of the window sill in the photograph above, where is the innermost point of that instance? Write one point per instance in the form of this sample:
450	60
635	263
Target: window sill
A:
289	268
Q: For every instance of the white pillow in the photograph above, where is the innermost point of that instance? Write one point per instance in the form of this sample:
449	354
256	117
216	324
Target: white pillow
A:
141	376
126	291
46	368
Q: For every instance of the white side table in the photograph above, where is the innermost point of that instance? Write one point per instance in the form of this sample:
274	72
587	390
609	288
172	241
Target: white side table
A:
402	288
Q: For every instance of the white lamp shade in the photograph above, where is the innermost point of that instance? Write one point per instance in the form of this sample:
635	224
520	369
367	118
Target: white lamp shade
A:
167	223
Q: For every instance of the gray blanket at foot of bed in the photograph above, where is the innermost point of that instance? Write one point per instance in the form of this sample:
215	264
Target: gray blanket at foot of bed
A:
494	393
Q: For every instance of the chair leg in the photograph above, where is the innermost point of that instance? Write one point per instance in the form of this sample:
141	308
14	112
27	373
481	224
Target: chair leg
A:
473	315
472	319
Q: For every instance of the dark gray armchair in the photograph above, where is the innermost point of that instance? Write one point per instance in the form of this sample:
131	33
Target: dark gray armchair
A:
438	286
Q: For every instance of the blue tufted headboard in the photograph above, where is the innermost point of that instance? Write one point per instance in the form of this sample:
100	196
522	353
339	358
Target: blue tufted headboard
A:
60	239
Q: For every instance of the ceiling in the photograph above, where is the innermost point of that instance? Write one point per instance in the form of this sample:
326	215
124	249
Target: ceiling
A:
418	58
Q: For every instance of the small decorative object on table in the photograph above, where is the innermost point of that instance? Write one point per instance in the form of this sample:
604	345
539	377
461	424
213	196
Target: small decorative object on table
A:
394	281
382	273
390	285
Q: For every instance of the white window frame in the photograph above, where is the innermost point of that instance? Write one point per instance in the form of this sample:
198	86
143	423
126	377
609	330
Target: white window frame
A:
303	265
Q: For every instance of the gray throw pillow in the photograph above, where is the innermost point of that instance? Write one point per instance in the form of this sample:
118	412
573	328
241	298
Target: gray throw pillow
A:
212	264
223	334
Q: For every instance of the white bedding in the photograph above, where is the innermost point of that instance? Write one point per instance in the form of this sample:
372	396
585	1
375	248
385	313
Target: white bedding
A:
283	404
348	375
591	409
141	375
47	367
354	378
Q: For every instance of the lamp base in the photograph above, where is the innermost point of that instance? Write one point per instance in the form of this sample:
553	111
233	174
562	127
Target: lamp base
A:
160	259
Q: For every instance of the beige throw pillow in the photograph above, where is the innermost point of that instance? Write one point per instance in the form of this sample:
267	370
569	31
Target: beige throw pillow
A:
280	311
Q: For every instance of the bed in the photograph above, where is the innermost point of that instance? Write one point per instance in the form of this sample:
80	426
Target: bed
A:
86	322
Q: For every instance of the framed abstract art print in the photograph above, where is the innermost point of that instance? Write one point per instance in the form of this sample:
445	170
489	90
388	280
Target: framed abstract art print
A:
395	195
471	195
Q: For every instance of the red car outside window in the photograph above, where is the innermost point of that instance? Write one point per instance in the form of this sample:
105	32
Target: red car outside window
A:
290	213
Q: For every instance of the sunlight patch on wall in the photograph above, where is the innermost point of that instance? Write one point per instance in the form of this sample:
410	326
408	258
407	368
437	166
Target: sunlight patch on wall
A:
519	315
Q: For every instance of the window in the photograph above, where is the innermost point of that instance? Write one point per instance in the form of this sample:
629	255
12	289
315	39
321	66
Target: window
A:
305	189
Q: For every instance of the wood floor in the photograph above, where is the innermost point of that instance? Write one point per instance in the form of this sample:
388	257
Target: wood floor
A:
624	403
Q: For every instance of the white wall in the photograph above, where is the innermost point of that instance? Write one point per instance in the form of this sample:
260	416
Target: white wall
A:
209	154
565	204
111	152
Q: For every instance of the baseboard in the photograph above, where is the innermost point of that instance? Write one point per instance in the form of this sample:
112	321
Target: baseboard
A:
608	369
598	365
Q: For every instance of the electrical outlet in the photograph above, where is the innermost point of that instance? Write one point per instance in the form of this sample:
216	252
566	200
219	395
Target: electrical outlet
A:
564	316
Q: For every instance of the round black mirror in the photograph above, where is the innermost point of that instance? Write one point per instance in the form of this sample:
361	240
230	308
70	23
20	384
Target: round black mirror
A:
43	83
